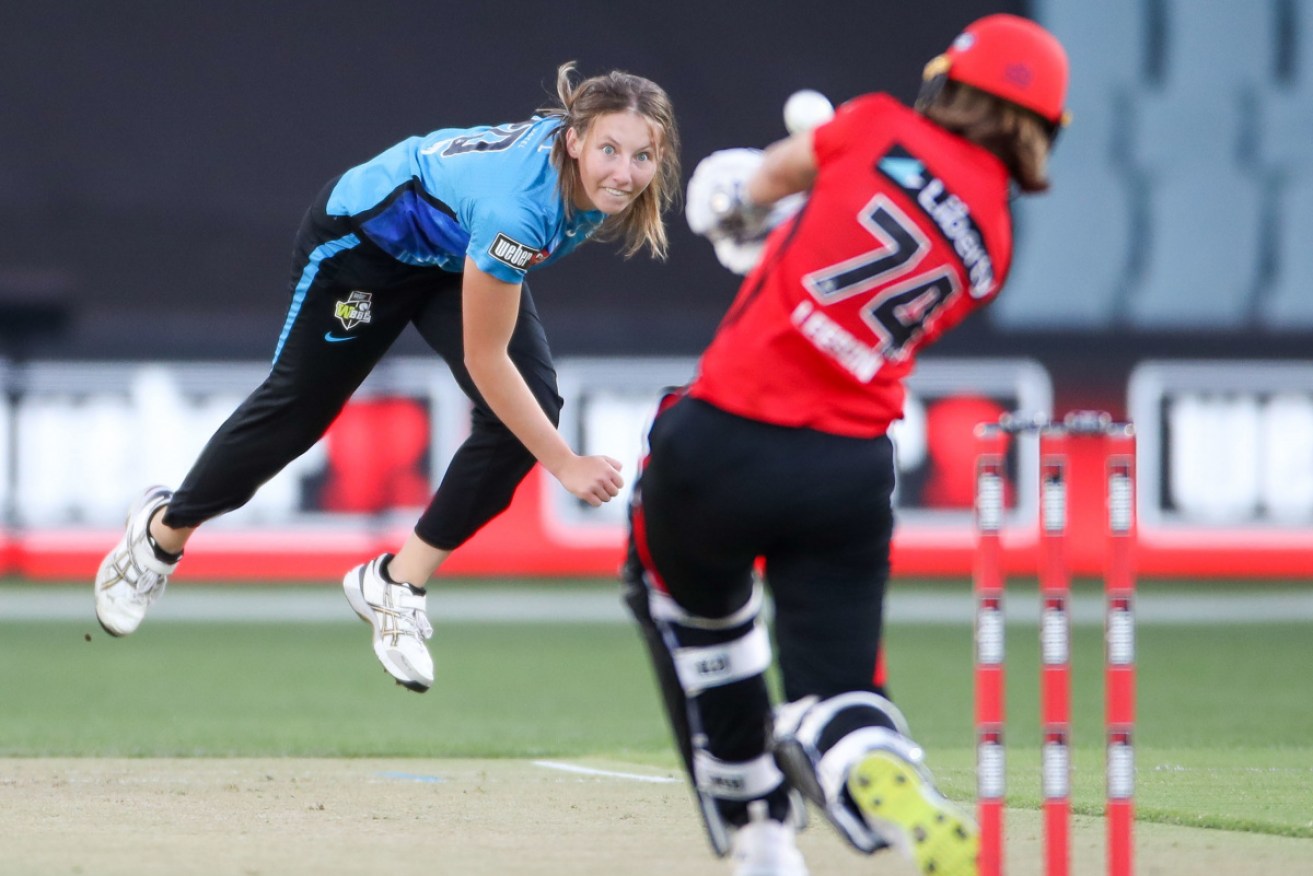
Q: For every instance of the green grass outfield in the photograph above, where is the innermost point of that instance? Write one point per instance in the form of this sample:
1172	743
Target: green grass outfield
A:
1224	740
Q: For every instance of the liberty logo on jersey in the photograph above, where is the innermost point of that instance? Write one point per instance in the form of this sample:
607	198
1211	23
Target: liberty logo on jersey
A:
949	213
356	309
514	254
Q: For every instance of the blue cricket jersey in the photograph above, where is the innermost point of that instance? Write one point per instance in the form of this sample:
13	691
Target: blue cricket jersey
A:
489	192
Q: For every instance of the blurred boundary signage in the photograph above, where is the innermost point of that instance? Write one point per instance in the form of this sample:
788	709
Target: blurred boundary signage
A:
1226	462
79	440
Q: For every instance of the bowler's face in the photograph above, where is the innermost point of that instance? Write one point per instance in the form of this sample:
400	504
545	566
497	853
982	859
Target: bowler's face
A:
617	160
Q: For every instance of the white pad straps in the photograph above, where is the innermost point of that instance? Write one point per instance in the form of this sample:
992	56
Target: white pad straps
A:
705	666
822	712
664	608
748	780
714	665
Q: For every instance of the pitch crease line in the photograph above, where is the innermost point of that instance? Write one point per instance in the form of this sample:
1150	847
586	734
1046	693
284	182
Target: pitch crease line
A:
611	774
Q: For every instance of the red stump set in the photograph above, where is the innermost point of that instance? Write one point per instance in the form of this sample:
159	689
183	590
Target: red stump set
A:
1117	443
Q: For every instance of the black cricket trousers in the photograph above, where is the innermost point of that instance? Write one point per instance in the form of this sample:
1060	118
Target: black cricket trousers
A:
719	491
350	301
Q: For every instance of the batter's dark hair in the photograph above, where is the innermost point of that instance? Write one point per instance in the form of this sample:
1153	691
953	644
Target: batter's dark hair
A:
582	102
1020	138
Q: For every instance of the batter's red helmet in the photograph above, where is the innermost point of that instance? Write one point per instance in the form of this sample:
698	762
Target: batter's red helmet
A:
1012	58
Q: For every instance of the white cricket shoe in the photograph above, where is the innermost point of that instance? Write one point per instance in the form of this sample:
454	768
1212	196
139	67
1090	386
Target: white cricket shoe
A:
396	612
764	847
898	798
131	576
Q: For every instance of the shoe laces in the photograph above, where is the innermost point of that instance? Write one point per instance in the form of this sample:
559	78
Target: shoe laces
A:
144	585
148	587
407	620
421	620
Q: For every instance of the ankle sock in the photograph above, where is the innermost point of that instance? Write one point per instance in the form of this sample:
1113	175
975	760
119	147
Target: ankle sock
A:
387	576
160	553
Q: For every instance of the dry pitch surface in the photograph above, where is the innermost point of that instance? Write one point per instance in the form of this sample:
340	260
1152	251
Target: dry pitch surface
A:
252	817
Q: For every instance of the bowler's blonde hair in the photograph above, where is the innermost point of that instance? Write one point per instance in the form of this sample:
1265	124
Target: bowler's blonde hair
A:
582	102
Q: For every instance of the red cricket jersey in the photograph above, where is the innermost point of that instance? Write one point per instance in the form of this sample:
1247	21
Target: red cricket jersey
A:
906	231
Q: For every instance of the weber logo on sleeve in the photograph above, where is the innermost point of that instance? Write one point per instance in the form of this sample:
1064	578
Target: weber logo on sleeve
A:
514	254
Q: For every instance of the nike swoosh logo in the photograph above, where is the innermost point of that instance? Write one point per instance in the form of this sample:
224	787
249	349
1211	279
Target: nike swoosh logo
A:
334	339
